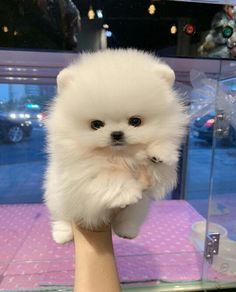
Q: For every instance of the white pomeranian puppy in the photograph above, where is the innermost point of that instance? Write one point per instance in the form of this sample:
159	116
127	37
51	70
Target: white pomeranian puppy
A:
114	131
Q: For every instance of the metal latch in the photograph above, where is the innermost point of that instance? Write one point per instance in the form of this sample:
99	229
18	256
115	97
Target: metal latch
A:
212	246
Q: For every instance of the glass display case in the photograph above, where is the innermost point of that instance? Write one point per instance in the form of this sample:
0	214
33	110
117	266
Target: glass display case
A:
222	200
188	241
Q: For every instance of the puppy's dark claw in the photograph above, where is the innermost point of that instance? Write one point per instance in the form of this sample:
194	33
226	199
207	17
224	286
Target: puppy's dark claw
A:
155	160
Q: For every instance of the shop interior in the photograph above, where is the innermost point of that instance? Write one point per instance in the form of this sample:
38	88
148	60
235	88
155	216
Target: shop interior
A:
198	41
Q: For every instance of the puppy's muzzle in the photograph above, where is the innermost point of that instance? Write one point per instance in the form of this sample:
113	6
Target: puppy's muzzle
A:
117	137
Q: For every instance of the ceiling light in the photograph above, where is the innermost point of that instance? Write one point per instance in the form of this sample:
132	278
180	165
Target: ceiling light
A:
227	31
190	29
5	28
108	33
152	9
91	13
173	29
106	26
99	13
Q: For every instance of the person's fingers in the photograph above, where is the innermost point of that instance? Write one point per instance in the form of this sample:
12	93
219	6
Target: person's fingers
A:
100	228
82	229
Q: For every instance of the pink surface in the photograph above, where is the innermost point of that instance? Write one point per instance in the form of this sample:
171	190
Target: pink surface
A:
162	251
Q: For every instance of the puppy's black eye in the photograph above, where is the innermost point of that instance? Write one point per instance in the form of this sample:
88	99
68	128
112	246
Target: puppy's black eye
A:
135	121
97	124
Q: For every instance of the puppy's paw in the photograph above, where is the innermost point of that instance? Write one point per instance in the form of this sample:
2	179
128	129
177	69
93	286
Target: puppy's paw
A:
125	230
163	155
155	159
62	231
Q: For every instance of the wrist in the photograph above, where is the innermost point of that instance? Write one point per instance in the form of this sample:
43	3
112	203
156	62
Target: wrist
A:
99	240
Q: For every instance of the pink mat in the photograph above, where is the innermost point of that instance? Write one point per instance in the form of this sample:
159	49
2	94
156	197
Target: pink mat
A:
162	251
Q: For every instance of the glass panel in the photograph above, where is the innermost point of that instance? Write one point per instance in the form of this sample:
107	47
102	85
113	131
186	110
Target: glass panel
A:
170	246
200	141
166	254
169	28
22	157
222	207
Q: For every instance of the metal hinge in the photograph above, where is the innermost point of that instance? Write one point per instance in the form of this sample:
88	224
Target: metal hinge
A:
212	246
222	125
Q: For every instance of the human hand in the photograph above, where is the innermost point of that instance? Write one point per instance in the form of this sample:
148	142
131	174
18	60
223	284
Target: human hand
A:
95	268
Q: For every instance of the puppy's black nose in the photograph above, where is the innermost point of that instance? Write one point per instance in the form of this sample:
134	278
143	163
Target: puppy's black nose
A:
117	135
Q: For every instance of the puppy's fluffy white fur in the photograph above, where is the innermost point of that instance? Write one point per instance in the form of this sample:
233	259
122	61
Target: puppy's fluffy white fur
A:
88	177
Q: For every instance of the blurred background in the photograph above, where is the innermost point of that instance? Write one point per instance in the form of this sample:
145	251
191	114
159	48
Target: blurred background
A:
169	28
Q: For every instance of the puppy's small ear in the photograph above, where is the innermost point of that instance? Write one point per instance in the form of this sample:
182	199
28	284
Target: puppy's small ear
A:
63	79
166	73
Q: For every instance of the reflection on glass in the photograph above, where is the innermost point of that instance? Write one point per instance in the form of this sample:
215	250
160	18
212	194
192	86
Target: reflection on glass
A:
168	28
220	41
39	24
22	141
